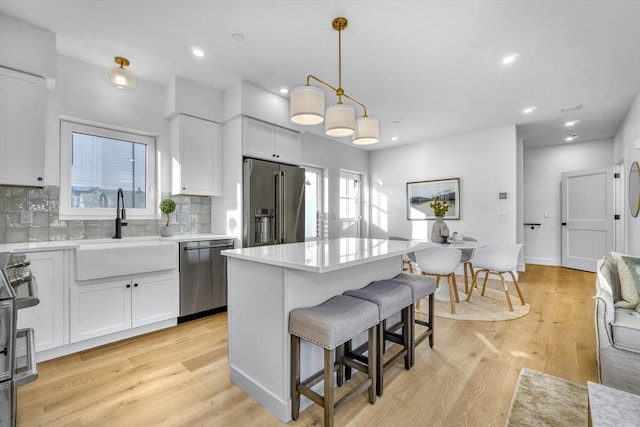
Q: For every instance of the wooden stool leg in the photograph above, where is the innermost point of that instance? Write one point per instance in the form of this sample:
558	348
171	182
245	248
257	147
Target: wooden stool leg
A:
295	377
372	367
347	369
407	333
412	335
431	316
327	400
339	357
378	355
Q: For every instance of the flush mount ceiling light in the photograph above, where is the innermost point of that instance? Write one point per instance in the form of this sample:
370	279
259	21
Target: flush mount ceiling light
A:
571	136
529	110
509	59
307	105
119	77
197	52
572	123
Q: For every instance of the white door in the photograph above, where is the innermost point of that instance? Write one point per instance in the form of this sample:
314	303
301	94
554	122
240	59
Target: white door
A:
350	206
587	217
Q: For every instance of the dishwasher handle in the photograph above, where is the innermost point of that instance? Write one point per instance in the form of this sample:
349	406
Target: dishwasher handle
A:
195	248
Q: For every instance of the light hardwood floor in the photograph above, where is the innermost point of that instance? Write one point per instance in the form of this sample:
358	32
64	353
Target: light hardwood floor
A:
180	376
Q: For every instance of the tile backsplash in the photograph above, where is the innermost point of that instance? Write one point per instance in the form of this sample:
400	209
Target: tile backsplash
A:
30	214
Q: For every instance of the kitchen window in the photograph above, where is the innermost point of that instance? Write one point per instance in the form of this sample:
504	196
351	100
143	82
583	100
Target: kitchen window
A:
97	161
350	207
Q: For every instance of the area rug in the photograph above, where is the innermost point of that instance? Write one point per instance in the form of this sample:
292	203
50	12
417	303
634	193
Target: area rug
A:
491	307
542	400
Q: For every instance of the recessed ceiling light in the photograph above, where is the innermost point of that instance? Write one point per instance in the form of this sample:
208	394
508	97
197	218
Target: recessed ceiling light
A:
572	123
509	59
197	52
570	138
529	110
284	90
237	37
394	138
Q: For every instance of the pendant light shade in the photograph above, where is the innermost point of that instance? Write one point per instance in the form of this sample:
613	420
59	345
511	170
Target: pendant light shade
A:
119	77
367	131
306	105
340	120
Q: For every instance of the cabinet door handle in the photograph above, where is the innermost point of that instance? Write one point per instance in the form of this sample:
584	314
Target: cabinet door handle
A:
128	286
39	178
135	285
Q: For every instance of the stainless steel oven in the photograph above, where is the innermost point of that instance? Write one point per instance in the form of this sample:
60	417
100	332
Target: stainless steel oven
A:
17	347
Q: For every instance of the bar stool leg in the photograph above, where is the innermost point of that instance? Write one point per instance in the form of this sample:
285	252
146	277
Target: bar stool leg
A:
373	364
431	310
295	376
347	369
327	400
378	355
407	334
340	374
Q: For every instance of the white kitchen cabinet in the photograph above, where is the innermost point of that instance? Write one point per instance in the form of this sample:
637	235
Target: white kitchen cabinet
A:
102	308
46	318
196	166
269	142
22	128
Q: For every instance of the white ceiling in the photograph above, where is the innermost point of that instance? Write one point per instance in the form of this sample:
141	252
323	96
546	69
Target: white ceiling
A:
426	69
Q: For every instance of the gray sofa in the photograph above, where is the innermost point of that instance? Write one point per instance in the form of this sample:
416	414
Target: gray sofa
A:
617	333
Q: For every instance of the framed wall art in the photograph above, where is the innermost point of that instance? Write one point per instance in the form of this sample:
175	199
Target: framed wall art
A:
421	193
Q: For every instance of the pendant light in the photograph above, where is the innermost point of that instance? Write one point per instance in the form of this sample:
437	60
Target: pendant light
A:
119	77
306	105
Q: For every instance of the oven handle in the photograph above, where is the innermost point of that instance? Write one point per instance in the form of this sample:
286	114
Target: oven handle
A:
32	299
30	372
194	248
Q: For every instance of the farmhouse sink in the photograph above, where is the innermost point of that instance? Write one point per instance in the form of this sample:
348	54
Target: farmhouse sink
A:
99	260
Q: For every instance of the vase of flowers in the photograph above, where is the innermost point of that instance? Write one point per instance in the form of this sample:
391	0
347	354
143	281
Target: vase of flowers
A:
167	207
439	229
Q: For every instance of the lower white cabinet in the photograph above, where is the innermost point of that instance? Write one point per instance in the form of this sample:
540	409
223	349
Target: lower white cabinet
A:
106	307
46	318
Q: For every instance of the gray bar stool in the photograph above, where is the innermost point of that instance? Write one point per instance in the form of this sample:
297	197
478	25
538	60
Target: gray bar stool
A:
329	325
391	298
421	286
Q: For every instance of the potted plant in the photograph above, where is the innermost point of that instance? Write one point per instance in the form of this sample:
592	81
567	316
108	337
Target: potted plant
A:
439	230
167	207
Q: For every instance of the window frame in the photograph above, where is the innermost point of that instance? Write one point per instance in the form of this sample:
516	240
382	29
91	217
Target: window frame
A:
69	126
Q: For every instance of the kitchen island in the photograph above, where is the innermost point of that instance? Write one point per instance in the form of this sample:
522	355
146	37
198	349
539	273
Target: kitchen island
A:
265	283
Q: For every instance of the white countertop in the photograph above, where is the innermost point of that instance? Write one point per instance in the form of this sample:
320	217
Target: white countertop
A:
60	245
328	255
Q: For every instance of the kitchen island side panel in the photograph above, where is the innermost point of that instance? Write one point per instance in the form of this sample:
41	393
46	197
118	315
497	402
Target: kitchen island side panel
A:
260	299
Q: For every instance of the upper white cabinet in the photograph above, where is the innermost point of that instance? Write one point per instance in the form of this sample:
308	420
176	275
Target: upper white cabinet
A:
22	126
270	142
196	156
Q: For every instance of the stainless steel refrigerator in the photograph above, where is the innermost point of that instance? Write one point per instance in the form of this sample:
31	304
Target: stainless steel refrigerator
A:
273	203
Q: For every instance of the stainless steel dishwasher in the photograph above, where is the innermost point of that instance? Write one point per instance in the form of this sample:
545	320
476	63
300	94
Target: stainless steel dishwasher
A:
203	278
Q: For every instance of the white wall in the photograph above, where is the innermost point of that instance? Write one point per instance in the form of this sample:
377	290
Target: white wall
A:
485	162
333	157
626	152
543	168
82	93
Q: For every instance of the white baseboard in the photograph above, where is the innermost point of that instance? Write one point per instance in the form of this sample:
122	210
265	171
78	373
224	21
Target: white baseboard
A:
543	261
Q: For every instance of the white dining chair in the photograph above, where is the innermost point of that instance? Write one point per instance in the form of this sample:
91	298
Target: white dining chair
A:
467	264
439	262
408	259
497	261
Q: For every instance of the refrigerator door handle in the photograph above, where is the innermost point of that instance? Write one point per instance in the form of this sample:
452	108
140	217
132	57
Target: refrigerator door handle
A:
280	205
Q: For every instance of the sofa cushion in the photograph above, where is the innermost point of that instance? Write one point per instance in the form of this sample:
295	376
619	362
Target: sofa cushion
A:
629	274
625	330
613	279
